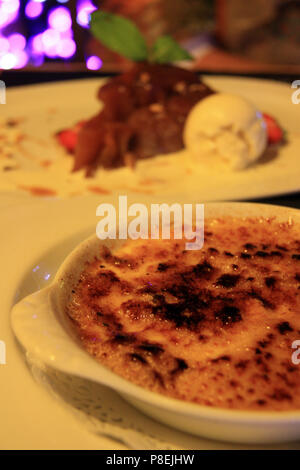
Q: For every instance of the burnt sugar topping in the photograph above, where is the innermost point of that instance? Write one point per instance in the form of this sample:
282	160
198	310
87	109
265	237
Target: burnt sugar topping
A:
213	326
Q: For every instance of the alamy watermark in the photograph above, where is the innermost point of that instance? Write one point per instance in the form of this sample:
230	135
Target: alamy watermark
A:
2	92
296	94
296	354
2	353
181	221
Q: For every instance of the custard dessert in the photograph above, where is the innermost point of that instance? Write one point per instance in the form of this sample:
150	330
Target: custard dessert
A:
213	327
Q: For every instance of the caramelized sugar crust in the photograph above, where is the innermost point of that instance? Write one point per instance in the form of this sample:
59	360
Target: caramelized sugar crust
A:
213	326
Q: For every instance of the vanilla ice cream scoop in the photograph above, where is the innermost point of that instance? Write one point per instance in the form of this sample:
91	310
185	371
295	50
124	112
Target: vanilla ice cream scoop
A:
225	128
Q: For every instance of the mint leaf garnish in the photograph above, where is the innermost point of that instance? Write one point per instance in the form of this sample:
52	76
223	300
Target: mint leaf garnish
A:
166	49
119	34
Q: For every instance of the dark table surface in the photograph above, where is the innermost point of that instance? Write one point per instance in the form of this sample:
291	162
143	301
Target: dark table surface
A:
19	78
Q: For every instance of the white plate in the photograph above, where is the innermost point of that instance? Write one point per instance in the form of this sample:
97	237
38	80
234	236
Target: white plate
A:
43	231
51	107
29	417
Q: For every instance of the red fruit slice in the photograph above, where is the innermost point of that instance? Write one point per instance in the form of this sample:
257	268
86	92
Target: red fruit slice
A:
68	137
274	131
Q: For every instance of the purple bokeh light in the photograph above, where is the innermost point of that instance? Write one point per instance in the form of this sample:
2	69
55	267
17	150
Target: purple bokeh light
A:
33	9
50	41
56	40
4	45
17	42
67	34
60	19
36	44
66	48
21	59
84	10
12	53
8	11
50	38
8	61
94	63
52	44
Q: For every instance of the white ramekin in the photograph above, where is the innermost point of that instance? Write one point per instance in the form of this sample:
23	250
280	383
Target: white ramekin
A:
42	327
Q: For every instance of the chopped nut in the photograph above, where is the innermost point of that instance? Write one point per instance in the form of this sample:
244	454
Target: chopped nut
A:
156	107
180	87
144	77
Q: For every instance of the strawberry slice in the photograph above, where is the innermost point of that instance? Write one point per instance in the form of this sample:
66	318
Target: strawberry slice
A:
274	131
68	137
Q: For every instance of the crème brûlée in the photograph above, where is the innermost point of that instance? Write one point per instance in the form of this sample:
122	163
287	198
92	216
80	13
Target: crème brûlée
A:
213	326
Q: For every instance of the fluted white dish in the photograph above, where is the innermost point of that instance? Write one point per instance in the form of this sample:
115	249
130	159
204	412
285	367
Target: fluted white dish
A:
43	328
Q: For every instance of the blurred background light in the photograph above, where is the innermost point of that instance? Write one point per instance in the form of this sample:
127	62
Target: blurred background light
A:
8	11
36	44
10	6
8	61
94	63
33	9
60	19
32	31
67	34
50	38
66	48
35	31
17	42
21	59
4	46
84	10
